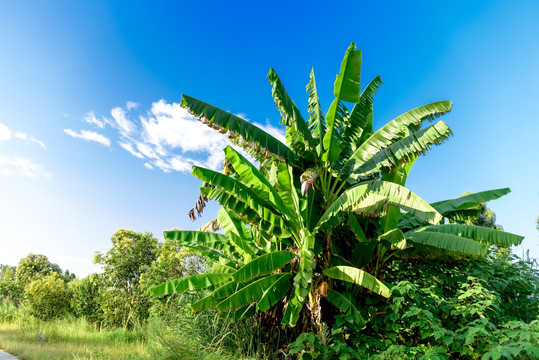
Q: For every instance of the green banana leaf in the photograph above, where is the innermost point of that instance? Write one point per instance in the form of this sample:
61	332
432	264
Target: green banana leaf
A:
193	282
468	201
449	242
272	226
247	295
395	130
400	152
275	292
255	179
359	277
286	189
345	304
347	88
317	124
246	134
373	196
478	233
215	297
357	122
240	236
296	128
263	265
395	238
239	190
458	209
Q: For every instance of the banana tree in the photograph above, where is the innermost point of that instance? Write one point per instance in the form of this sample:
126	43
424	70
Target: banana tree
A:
321	214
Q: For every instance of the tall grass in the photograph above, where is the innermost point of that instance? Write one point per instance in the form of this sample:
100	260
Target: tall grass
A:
76	338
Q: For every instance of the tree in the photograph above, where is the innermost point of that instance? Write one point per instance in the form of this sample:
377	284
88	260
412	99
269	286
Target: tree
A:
8	285
47	297
131	255
33	267
322	216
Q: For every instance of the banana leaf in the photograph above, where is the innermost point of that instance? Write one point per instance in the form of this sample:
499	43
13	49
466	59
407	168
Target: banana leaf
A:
263	265
449	242
193	282
372	197
246	134
359	277
296	128
478	233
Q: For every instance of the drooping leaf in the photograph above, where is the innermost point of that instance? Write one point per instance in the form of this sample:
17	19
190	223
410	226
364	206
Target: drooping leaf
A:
356	228
449	242
457	209
275	292
479	233
397	176
394	130
193	282
345	304
359	277
244	133
263	265
255	179
273	225
371	198
247	295
396	239
468	201
296	128
239	235
402	151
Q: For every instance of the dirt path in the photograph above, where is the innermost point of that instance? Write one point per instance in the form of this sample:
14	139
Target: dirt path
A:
5	356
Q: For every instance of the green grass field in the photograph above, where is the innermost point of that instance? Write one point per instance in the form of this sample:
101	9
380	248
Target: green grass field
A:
76	339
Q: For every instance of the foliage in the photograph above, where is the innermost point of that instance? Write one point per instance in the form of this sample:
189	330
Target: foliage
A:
85	297
9	288
484	309
324	216
122	300
47	297
34	266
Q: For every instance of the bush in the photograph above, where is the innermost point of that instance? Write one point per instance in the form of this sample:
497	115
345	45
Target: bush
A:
47	298
85	300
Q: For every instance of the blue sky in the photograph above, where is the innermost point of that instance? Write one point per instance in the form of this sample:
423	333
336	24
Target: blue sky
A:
92	138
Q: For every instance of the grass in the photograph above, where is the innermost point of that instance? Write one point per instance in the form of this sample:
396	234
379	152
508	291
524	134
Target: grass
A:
71	340
77	339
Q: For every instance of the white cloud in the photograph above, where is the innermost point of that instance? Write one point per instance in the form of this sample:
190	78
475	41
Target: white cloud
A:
89	136
130	105
90	118
167	137
27	138
125	126
129	148
18	166
5	133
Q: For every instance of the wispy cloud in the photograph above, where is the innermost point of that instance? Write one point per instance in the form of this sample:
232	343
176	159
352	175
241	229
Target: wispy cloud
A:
167	137
125	126
90	118
129	148
18	166
7	134
89	136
